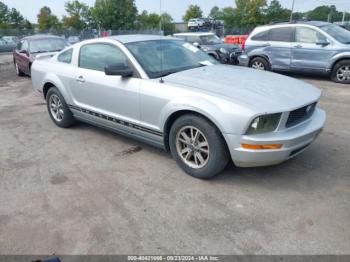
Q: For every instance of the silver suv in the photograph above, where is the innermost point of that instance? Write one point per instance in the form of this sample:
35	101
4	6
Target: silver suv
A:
310	47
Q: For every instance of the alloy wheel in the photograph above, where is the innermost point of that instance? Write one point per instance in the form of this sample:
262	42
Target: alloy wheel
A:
258	65
192	147
343	73
56	108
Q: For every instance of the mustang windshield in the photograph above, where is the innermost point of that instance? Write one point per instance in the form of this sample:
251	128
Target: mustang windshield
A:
161	58
339	33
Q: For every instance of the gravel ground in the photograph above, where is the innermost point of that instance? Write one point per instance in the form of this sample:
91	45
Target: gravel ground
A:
84	190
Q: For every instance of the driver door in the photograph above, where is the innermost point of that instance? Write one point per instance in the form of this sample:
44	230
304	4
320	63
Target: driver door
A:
102	95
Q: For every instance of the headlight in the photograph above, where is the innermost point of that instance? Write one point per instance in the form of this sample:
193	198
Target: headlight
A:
223	50
205	49
264	124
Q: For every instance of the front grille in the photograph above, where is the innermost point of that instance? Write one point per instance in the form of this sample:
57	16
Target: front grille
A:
299	115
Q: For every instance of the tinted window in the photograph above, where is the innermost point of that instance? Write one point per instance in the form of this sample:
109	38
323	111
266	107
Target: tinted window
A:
308	35
340	34
66	56
283	34
173	56
262	36
97	56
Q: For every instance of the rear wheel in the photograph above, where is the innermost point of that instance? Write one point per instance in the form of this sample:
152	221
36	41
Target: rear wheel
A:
260	64
341	72
18	70
58	109
197	146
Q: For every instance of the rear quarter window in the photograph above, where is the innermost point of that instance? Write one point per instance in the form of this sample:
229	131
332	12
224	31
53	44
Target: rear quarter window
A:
66	56
262	36
282	34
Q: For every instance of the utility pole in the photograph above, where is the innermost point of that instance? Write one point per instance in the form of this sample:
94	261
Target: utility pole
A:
291	13
343	21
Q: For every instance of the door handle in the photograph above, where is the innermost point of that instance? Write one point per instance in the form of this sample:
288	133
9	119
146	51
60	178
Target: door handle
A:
80	79
298	46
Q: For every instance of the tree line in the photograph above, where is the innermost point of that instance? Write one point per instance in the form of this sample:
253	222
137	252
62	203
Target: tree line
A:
123	14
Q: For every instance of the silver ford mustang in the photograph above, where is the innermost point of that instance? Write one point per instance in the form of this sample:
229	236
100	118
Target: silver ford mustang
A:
170	94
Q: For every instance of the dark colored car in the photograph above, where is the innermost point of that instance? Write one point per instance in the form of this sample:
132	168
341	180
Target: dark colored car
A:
31	46
214	46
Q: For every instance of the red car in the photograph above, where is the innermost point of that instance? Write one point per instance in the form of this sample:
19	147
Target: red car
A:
31	46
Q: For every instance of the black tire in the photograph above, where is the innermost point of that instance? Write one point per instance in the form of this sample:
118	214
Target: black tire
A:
336	72
217	157
67	116
260	61
18	71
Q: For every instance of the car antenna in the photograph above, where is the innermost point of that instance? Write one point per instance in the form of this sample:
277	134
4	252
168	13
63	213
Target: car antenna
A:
160	42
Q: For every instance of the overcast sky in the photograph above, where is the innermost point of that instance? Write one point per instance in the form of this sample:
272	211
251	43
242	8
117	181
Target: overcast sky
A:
176	8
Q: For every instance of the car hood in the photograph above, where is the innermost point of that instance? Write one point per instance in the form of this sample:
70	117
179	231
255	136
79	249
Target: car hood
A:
260	90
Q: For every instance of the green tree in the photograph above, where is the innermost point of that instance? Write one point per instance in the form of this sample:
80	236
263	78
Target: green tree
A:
115	14
229	17
14	18
193	11
3	13
215	13
77	13
249	13
47	21
276	13
152	21
322	13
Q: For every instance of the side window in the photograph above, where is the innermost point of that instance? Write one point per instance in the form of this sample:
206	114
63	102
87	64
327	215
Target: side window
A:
25	45
262	36
66	56
282	34
308	35
97	56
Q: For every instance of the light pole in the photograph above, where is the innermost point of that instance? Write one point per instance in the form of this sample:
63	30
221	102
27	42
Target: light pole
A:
291	13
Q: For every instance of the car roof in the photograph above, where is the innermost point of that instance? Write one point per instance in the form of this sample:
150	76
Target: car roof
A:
312	23
138	38
195	34
35	37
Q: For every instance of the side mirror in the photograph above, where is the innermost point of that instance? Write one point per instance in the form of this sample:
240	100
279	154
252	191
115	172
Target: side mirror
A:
118	70
196	44
323	42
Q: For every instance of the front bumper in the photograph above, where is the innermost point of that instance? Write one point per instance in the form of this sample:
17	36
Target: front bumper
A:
243	60
294	140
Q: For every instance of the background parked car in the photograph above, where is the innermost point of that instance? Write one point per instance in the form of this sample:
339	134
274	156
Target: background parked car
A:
310	47
195	23
29	47
11	39
6	46
213	45
73	39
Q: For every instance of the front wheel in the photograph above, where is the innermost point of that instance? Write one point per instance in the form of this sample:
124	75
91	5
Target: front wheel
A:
58	109
341	72
198	146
